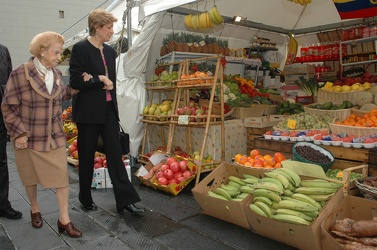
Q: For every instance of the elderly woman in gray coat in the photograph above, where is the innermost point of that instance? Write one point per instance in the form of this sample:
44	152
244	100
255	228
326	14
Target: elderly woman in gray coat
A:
32	110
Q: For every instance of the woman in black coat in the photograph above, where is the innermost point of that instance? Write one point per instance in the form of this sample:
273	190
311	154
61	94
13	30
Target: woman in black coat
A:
95	111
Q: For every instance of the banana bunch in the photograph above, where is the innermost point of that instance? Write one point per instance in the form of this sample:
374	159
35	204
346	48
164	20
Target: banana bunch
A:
292	49
214	16
70	127
204	20
301	2
283	196
236	189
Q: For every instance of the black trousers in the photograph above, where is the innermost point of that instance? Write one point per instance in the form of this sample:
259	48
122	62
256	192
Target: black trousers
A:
4	174
124	191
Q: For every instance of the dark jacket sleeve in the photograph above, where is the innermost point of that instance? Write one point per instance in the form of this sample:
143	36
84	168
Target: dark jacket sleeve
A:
78	64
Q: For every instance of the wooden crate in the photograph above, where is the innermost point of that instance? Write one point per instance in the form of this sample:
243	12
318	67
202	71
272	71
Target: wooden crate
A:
290	79
344	157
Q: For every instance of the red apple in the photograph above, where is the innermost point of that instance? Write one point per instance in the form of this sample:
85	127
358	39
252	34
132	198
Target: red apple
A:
187	110
177	175
175	167
162	181
191	103
159	174
187	174
181	179
165	167
104	163
179	111
169	174
170	160
173	181
97	165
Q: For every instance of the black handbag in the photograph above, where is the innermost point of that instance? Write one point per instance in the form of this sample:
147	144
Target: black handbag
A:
124	139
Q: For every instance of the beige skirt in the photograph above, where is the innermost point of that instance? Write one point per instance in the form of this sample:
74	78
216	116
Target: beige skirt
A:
46	168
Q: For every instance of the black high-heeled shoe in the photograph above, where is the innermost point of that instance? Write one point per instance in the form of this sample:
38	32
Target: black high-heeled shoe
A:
92	206
132	209
70	229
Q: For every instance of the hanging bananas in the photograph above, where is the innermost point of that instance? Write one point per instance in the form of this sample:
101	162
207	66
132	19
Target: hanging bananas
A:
301	2
292	49
204	20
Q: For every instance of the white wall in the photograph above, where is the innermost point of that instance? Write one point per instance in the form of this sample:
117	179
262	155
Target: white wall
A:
21	20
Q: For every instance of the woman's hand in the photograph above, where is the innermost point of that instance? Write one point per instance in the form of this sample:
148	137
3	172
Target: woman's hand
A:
87	76
21	142
107	82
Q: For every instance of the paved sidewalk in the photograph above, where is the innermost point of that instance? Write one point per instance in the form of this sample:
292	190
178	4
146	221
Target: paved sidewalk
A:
171	222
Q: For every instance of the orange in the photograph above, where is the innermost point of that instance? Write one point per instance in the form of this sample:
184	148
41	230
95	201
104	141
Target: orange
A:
268	166
248	164
277	165
254	153
267	156
243	160
237	157
279	157
271	162
258	163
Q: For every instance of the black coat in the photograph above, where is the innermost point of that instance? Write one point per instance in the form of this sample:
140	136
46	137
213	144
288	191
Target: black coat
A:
89	105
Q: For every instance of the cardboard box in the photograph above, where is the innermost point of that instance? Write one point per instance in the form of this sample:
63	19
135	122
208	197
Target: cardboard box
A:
108	183
352	207
230	211
299	236
98	183
263	121
177	188
100	173
155	159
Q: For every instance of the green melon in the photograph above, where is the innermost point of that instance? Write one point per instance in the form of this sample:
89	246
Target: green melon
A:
368	107
363	98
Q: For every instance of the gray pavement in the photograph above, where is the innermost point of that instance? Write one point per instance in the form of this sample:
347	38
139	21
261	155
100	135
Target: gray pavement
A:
170	222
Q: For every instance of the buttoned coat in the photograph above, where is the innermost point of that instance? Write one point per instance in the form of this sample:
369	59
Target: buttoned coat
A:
29	109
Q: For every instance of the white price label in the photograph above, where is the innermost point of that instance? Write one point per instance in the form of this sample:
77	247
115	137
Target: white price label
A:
183	119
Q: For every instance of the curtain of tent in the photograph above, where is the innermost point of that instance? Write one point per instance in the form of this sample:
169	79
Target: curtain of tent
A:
131	92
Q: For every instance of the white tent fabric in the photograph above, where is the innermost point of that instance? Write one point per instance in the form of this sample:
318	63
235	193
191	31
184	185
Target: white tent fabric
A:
149	7
131	93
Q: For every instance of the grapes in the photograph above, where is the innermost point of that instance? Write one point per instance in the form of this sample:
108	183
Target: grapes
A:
312	154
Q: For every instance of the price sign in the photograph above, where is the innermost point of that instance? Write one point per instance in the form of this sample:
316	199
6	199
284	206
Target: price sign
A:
291	124
183	119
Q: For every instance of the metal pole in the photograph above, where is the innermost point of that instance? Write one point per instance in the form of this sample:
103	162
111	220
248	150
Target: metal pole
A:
130	4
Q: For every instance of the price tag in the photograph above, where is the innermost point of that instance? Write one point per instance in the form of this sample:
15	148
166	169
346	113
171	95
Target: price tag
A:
291	124
183	119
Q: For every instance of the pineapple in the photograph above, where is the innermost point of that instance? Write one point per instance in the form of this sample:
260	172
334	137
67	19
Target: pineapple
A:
197	40
226	48
211	45
177	38
190	42
222	47
205	46
185	47
216	47
164	47
172	46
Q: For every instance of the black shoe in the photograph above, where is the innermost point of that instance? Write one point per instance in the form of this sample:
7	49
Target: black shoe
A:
132	209
92	206
10	213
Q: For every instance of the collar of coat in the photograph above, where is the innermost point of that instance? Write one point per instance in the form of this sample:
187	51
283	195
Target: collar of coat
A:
37	82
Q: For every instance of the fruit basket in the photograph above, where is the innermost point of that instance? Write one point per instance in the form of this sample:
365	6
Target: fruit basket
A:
352	130
340	113
297	157
256	111
369	192
337	97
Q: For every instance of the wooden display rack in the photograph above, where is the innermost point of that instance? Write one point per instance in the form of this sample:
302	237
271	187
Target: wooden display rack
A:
182	97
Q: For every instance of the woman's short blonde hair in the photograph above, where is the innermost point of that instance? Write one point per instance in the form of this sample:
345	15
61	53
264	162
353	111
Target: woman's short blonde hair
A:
43	41
99	18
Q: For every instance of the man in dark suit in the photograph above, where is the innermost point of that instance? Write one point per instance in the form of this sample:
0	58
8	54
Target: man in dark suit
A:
6	209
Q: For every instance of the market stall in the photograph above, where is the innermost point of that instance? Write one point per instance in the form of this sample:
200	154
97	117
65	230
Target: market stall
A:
278	155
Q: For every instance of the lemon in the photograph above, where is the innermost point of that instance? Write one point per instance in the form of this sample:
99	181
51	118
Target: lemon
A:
366	85
346	88
337	88
355	86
